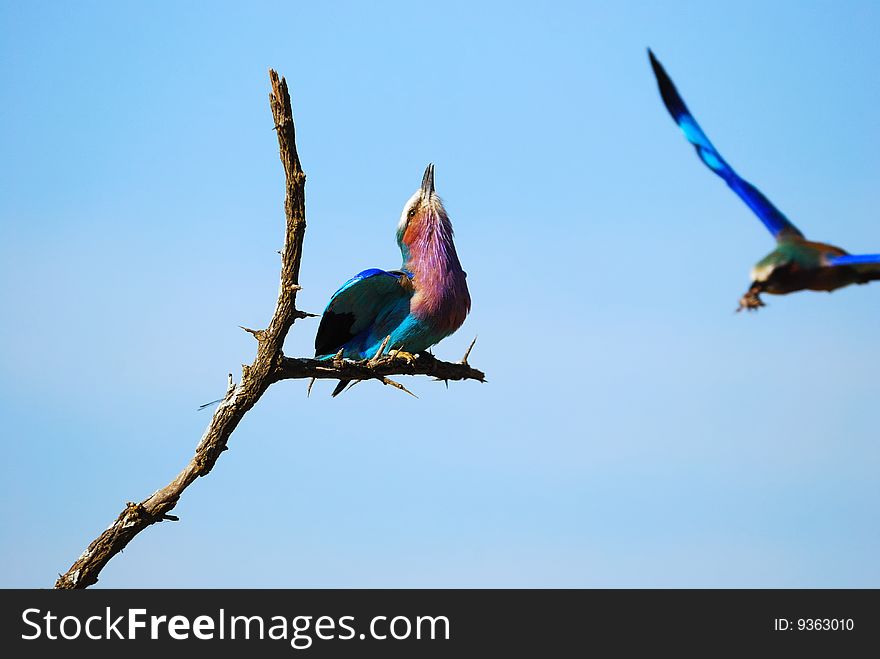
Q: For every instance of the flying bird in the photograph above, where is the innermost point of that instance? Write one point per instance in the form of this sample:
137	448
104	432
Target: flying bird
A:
796	263
417	306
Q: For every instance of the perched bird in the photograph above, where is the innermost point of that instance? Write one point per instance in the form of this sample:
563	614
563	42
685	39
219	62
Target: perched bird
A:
418	305
796	263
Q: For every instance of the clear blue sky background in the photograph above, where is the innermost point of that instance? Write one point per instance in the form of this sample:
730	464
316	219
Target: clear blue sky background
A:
634	430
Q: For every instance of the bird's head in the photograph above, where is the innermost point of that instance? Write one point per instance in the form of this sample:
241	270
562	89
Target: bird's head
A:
423	219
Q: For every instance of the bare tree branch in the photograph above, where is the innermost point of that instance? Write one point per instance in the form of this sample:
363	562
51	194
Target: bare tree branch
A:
375	369
269	366
255	378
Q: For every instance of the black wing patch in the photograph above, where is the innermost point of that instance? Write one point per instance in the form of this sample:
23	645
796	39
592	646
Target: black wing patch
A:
333	332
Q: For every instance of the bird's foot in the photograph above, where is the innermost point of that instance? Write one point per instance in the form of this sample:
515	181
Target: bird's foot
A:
406	357
751	301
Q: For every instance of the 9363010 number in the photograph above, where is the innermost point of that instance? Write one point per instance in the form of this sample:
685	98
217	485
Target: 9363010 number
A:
825	624
813	624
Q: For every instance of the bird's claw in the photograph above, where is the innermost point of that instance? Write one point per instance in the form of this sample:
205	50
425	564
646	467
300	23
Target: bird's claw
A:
751	301
406	357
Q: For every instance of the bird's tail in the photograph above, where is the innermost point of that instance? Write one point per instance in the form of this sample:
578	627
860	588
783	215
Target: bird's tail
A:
343	384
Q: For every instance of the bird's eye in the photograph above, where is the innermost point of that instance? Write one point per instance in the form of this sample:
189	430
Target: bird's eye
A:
412	213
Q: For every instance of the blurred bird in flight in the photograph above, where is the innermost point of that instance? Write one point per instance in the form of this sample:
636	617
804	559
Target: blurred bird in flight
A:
417	306
796	263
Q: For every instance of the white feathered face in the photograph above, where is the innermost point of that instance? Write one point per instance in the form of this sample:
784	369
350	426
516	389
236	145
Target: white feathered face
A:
424	206
410	208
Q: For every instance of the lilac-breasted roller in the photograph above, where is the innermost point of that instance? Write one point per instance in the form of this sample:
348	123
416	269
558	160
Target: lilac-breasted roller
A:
796	263
418	305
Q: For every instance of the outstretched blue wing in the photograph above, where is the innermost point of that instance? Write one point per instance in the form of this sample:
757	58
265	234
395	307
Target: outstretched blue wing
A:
369	305
773	219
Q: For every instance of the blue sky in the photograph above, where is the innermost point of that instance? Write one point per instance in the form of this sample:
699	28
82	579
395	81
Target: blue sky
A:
634	430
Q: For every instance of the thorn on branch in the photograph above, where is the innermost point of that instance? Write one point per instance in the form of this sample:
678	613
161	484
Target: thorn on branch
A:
467	353
309	390
303	314
170	518
230	387
397	385
258	334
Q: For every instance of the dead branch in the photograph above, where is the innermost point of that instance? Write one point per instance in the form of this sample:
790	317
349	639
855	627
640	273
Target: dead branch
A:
269	366
255	378
375	369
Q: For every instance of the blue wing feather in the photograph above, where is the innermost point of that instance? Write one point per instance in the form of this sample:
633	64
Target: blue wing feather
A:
772	217
364	274
365	306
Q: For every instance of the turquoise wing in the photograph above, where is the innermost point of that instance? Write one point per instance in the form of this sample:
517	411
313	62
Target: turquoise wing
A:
372	303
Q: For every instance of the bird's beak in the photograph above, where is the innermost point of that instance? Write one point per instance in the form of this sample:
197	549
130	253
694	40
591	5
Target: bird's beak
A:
428	182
